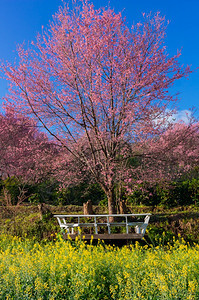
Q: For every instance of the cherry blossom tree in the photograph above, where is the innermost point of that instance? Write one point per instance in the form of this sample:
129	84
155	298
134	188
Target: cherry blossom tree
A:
166	158
98	86
24	151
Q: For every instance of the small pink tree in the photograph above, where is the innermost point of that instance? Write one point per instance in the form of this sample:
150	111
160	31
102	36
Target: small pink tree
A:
90	77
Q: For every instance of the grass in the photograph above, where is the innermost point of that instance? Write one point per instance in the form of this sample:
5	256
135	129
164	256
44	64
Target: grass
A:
67	270
27	222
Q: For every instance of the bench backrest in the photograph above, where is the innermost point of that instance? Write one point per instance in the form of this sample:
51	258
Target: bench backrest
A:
140	227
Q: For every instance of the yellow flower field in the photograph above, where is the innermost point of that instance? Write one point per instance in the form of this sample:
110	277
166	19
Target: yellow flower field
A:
62	270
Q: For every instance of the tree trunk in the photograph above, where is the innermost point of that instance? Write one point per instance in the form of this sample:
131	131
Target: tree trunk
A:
122	207
111	204
88	208
45	213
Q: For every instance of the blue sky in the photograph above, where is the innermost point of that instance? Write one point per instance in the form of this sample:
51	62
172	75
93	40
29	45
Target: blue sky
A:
21	20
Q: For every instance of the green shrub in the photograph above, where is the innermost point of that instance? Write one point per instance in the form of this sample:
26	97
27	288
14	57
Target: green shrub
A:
168	194
79	194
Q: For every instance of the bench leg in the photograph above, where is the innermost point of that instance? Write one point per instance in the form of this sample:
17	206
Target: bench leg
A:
144	228
137	229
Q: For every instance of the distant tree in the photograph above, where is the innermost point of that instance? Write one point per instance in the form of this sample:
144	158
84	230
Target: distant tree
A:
166	158
25	152
90	79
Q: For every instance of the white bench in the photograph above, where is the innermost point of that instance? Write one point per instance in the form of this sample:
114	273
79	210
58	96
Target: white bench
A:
96	223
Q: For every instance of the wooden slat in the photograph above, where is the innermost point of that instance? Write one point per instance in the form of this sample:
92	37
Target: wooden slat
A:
112	236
